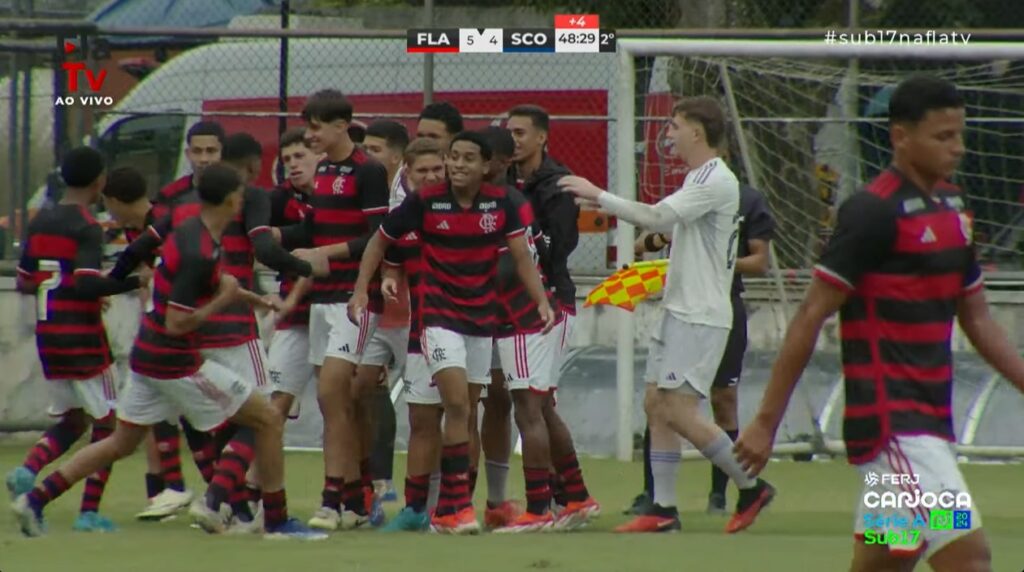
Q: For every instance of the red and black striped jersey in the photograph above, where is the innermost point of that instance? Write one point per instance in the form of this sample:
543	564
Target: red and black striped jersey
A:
517	312
349	199
186	278
289	206
405	252
65	243
459	253
905	257
170	195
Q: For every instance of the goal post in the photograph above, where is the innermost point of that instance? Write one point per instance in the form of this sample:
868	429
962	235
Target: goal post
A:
807	125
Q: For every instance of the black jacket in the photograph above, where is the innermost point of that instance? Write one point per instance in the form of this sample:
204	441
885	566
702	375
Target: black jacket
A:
556	211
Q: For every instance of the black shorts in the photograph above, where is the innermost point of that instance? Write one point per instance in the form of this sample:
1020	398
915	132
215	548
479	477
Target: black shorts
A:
731	368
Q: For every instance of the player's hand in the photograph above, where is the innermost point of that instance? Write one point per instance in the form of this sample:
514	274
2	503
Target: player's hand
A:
548	315
389	287
104	304
270	302
316	258
228	286
357	306
582	188
754	447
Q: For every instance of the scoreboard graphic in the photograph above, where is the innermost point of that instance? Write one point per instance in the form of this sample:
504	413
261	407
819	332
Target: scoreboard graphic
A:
573	33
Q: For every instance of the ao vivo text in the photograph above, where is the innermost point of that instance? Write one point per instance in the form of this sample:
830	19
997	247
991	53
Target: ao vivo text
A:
84	100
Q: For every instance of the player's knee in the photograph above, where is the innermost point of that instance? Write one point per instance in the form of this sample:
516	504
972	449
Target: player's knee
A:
457	409
970	553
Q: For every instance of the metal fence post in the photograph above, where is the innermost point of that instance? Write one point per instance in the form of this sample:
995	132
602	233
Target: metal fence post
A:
282	93
428	59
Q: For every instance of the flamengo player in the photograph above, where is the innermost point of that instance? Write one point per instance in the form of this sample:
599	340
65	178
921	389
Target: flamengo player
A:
288	360
170	375
203	144
61	268
424	167
529	360
688	347
350	197
462	224
385	141
898	269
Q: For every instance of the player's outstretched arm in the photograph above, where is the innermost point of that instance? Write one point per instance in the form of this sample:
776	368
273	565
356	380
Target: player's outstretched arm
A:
141	249
657	216
754	446
989	338
527	270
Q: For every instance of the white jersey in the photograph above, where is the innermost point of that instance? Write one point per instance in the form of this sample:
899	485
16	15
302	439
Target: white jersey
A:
398	191
703	256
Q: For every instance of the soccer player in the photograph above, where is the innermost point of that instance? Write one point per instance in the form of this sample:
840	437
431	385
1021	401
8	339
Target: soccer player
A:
528	362
170	375
229	336
386	141
756	229
288	360
440	121
204	142
688	346
350	197
536	174
424	167
60	266
462	224
899	267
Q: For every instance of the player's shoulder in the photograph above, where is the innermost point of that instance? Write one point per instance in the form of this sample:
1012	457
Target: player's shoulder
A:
432	192
498	192
176	186
364	162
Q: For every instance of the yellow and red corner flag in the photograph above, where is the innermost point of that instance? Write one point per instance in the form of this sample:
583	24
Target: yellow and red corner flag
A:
630	286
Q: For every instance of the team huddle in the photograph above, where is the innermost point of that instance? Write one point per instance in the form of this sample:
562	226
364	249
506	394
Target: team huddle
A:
444	260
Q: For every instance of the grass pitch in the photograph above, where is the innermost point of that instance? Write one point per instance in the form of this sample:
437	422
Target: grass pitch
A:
808	528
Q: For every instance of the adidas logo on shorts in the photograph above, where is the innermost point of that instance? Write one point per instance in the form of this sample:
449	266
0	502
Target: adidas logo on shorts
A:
671	376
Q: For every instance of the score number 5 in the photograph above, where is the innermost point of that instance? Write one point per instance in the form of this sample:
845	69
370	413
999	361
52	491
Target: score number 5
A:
46	286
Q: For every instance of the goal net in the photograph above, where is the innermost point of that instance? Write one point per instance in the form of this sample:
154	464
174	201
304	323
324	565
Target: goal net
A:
807	127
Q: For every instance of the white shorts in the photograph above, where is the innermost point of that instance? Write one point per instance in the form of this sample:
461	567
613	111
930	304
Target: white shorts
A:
288	362
96	395
420	388
684	355
387	347
528	360
444	348
208	398
331	334
248	360
932	462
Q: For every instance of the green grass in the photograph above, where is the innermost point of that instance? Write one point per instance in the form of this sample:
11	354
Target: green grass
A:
808	529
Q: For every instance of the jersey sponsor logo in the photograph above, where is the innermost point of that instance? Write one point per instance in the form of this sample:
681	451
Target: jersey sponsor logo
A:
489	222
913	205
490	205
441	207
443	225
928	236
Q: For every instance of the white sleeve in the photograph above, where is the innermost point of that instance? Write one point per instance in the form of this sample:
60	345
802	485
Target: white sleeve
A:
693	201
657	216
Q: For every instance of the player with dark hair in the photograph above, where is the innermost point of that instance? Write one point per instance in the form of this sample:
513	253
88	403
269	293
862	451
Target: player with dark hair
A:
386	141
288	360
171	376
424	167
899	267
687	348
461	223
527	362
61	267
350	197
203	144
244	152
440	121
756	230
